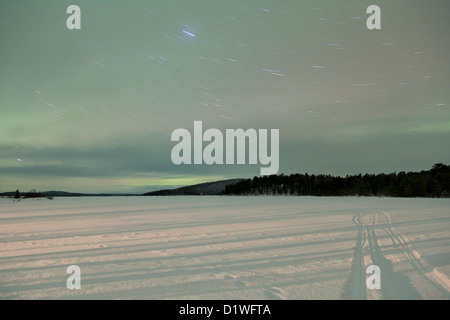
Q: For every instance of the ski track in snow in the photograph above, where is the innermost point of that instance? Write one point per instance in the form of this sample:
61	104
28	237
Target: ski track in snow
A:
225	248
394	284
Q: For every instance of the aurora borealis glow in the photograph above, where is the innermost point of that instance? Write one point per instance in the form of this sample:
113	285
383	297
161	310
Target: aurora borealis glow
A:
93	109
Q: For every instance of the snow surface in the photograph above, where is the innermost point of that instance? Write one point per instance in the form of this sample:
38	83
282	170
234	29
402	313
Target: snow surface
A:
225	247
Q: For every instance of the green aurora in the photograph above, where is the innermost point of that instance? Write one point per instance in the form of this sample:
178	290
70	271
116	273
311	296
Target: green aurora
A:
92	110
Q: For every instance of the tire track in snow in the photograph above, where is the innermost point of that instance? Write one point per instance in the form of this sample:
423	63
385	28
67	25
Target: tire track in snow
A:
356	285
274	293
394	284
440	281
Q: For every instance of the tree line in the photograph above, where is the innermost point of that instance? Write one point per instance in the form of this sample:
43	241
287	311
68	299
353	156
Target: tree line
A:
25	195
431	183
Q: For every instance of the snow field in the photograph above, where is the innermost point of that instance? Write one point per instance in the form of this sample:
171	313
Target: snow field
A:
225	247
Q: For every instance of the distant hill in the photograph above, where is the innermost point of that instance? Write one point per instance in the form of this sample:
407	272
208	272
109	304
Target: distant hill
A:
207	188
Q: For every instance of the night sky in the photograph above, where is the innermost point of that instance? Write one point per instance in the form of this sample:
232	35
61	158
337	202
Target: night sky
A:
93	110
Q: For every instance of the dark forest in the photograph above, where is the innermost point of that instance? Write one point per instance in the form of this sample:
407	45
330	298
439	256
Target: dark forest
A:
432	183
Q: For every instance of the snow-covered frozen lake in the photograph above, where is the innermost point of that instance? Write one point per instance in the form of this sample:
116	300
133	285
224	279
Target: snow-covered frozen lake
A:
225	247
